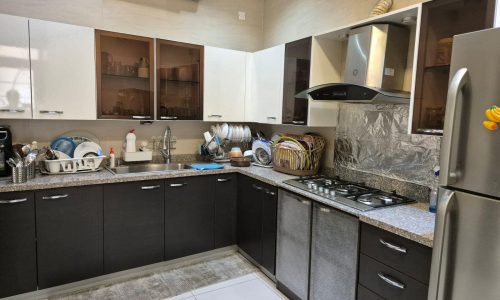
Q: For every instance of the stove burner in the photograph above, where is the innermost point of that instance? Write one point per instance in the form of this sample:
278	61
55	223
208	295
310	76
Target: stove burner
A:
349	189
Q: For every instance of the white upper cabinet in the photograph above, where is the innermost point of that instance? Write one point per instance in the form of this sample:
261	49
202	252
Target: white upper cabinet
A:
15	88
62	71
224	85
264	102
497	14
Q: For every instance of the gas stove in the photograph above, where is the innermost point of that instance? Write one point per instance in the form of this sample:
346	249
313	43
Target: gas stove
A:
352	194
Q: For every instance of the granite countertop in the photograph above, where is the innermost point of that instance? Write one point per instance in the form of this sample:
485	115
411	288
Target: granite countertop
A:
413	222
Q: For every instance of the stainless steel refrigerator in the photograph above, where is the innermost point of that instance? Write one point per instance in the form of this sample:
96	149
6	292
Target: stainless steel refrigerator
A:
466	254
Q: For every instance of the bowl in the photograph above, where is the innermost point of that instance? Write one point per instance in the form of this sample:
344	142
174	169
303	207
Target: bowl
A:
240	162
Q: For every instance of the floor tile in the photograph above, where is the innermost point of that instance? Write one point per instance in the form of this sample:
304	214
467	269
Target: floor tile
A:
254	289
224	284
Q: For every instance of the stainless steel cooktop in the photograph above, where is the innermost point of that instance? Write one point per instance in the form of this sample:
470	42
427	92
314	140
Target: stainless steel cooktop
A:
352	194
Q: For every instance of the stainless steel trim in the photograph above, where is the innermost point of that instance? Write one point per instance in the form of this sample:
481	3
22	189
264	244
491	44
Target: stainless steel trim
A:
13	201
298	122
178	184
439	255
168	118
449	173
215	116
141	117
391	281
12	110
55	197
52	112
150	187
257	187
392	246
429	131
325	210
223	179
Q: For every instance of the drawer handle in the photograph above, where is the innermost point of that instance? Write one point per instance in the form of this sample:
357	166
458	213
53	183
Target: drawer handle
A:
178	184
325	210
12	110
257	187
141	117
13	201
270	193
52	112
392	246
391	281
55	197
215	116
298	122
168	118
150	187
223	179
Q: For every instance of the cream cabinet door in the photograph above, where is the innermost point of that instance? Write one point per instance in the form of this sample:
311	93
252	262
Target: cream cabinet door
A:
224	85
62	71
15	86
264	102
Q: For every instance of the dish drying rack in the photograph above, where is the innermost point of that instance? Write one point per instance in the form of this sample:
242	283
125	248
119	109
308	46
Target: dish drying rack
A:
73	165
218	148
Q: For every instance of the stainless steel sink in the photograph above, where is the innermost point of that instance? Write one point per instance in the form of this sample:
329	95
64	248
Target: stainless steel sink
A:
147	168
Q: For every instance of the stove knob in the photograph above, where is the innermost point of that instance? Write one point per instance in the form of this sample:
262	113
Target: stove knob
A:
332	193
310	186
314	186
320	189
327	191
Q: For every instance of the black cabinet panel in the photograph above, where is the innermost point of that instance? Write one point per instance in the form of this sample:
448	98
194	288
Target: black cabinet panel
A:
226	196
250	217
133	225
17	243
69	234
269	227
366	294
189	216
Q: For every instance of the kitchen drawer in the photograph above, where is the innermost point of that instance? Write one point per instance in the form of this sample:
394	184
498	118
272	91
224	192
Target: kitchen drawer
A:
406	256
396	285
366	294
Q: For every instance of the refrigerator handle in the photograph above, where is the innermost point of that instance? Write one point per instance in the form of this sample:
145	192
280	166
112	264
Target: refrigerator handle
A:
449	173
439	266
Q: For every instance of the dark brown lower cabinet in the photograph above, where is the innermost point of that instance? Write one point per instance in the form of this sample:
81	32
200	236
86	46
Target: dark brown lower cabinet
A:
366	294
17	243
133	224
189	216
226	196
69	234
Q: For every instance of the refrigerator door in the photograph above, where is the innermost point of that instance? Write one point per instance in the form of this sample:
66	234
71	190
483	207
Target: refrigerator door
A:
466	253
470	152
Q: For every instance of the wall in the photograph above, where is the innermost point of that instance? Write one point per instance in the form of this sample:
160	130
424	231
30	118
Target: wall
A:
288	20
208	22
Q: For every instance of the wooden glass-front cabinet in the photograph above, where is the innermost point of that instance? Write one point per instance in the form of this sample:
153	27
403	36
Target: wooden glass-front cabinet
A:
179	80
296	79
441	20
125	85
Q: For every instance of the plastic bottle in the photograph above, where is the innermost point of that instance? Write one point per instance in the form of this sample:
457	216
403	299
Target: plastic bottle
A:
433	196
131	138
112	159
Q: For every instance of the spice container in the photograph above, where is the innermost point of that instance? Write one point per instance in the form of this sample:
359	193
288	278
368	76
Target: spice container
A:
443	52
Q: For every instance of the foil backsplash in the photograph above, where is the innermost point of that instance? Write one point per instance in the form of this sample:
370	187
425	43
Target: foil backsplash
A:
374	139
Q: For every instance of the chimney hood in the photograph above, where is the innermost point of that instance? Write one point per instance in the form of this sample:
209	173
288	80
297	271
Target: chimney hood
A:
374	70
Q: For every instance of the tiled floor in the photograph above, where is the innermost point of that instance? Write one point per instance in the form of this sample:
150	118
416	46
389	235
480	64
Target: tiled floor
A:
226	277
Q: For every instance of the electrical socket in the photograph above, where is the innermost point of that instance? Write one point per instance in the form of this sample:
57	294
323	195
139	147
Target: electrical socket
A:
242	16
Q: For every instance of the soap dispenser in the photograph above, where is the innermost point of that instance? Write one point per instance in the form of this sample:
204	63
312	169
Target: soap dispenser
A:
130	144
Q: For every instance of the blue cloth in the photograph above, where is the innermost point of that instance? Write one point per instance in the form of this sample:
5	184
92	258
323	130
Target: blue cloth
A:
212	166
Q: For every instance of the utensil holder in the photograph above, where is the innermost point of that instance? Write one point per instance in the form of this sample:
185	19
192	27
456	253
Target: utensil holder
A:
31	171
19	174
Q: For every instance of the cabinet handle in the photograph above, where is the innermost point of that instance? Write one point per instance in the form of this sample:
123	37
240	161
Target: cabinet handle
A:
392	246
270	193
391	281
271	118
215	116
223	179
52	112
150	187
13	201
430	131
55	197
141	117
178	184
12	110
325	210
298	122
257	187
168	118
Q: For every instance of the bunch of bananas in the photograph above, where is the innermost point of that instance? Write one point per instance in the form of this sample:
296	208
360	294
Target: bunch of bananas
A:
493	116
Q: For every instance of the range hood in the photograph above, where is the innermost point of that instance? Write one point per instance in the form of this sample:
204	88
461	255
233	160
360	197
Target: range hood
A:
374	70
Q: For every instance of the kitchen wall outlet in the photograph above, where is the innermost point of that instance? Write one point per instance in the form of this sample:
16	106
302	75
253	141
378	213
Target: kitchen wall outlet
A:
242	16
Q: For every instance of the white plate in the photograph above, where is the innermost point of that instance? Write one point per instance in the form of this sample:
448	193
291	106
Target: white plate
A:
61	155
86	148
248	134
224	131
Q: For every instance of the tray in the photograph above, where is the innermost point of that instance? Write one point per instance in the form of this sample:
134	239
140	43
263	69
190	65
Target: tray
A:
45	172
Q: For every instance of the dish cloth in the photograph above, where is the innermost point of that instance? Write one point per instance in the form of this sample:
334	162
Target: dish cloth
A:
207	166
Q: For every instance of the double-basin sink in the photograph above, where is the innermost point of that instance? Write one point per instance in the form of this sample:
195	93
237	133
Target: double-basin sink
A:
147	168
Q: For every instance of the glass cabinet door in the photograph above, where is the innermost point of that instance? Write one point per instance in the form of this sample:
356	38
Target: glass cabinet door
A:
125	86
179	81
296	79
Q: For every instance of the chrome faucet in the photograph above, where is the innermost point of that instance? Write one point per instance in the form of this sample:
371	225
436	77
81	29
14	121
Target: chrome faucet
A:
167	141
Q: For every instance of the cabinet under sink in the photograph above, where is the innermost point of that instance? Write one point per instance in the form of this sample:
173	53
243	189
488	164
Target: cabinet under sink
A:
147	168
